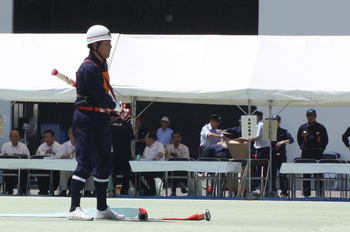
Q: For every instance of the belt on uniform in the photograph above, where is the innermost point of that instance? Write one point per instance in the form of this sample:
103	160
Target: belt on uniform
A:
313	149
93	108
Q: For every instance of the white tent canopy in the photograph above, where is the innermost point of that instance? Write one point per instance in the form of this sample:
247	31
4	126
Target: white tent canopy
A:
209	69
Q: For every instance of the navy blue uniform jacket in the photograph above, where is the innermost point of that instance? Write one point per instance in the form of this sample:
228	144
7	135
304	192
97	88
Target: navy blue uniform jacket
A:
90	88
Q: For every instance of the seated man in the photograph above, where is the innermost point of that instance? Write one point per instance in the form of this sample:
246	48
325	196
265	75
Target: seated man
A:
217	151
52	148
177	149
154	151
11	148
69	153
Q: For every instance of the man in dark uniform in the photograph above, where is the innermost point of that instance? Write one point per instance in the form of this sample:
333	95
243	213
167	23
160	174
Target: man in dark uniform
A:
279	156
312	139
216	151
122	135
236	131
140	133
261	146
91	126
345	138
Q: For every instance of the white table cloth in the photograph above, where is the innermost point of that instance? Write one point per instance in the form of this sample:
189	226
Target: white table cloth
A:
42	164
314	168
190	166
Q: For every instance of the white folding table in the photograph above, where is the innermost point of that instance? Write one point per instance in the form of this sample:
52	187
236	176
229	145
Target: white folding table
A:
310	168
190	166
41	164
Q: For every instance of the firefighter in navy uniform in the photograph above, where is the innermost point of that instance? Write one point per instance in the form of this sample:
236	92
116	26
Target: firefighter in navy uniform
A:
345	138
122	135
279	156
91	126
312	139
236	131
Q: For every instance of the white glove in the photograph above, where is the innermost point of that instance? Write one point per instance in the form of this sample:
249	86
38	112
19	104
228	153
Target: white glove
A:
118	106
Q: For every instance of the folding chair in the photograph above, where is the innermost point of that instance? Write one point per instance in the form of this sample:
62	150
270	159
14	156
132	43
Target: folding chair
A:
209	176
18	174
345	180
330	155
302	178
159	184
240	184
264	163
31	174
225	177
157	178
173	175
328	177
215	177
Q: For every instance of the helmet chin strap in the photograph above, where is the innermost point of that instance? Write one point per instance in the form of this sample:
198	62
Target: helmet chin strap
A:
98	45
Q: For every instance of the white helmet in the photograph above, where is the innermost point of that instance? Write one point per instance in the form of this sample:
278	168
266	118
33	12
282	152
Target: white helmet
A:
97	33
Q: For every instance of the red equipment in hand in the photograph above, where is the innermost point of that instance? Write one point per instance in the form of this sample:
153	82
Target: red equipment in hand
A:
64	78
124	114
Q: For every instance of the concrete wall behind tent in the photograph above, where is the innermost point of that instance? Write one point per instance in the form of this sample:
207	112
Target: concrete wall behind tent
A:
6	13
300	17
238	17
188	119
335	119
312	17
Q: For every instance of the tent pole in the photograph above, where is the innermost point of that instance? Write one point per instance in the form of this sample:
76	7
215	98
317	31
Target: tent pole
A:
133	106
249	157
284	107
8	108
133	124
241	109
270	137
146	108
115	48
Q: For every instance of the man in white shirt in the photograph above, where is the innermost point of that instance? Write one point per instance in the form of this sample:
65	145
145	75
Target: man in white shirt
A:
210	133
164	133
52	148
262	147
11	148
69	153
153	152
177	149
14	146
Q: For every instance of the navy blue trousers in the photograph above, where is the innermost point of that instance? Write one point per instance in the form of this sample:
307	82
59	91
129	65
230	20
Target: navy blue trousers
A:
92	144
